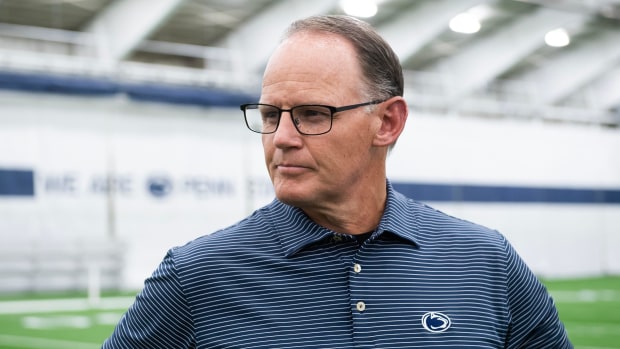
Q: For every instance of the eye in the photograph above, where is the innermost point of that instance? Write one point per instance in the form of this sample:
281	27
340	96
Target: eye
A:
312	113
269	114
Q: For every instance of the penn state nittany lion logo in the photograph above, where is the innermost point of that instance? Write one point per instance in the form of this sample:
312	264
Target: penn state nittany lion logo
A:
436	322
159	186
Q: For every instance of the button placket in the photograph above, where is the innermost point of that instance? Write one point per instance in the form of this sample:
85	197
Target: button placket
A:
360	305
359	285
361	310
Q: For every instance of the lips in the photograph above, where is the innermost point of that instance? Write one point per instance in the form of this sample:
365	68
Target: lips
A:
291	169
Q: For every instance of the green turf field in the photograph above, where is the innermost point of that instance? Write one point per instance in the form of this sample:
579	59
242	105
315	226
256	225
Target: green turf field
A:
590	309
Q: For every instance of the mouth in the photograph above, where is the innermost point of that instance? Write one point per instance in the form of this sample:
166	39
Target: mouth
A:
290	169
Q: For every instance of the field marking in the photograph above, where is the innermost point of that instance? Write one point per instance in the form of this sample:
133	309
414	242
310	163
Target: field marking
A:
46	322
586	296
64	305
594	330
44	343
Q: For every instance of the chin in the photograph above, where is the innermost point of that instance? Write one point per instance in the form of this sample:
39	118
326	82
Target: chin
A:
289	199
292	196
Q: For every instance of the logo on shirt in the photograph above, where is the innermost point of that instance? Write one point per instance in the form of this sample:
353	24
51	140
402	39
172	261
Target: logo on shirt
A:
435	322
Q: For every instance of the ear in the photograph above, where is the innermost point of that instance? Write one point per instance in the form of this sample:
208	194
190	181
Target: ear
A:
393	118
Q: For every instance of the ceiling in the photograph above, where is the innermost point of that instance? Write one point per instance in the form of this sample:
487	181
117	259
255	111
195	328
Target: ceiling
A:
504	70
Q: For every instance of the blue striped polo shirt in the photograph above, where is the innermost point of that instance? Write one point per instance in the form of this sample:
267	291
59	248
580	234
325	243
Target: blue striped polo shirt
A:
276	279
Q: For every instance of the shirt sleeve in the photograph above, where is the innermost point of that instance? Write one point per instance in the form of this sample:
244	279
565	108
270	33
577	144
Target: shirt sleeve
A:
534	321
159	317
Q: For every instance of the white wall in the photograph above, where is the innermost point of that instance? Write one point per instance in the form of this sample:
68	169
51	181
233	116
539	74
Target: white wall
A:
557	240
74	143
217	174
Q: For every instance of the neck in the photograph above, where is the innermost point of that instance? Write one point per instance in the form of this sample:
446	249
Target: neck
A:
357	213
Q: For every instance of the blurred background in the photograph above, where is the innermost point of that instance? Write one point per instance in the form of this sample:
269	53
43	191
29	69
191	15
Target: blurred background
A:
121	136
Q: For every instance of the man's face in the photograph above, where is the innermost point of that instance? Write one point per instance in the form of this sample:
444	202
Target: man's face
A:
314	171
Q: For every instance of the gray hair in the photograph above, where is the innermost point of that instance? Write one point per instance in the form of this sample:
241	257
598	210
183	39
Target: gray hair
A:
381	69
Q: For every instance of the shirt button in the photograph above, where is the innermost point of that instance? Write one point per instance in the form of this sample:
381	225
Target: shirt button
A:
357	268
361	306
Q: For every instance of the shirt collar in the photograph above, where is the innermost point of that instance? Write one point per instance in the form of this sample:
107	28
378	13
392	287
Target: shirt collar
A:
295	230
400	216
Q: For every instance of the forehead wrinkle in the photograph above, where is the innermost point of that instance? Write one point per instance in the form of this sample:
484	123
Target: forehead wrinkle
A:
302	88
311	67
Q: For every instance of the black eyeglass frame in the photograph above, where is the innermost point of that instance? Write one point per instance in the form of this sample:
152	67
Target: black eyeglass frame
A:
332	109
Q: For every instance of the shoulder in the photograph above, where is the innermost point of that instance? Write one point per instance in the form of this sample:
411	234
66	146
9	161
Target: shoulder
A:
433	221
429	225
250	232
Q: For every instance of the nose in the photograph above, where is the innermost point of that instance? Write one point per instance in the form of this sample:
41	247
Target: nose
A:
286	136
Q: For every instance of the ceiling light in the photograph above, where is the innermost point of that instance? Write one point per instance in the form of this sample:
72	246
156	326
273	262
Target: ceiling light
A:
465	23
557	38
359	8
482	11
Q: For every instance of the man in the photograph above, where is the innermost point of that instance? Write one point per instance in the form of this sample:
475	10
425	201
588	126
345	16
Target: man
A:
339	259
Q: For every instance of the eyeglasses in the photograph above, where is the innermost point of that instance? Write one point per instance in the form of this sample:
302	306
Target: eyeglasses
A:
308	119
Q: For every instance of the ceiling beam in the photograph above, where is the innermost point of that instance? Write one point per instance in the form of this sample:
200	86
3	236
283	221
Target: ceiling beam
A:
604	92
253	42
123	25
411	30
575	67
482	61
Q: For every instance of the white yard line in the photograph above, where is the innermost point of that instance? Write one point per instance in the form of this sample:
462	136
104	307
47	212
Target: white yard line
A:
586	296
115	303
44	343
59	305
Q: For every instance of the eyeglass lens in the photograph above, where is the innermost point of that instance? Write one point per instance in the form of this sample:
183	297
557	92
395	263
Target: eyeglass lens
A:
308	119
